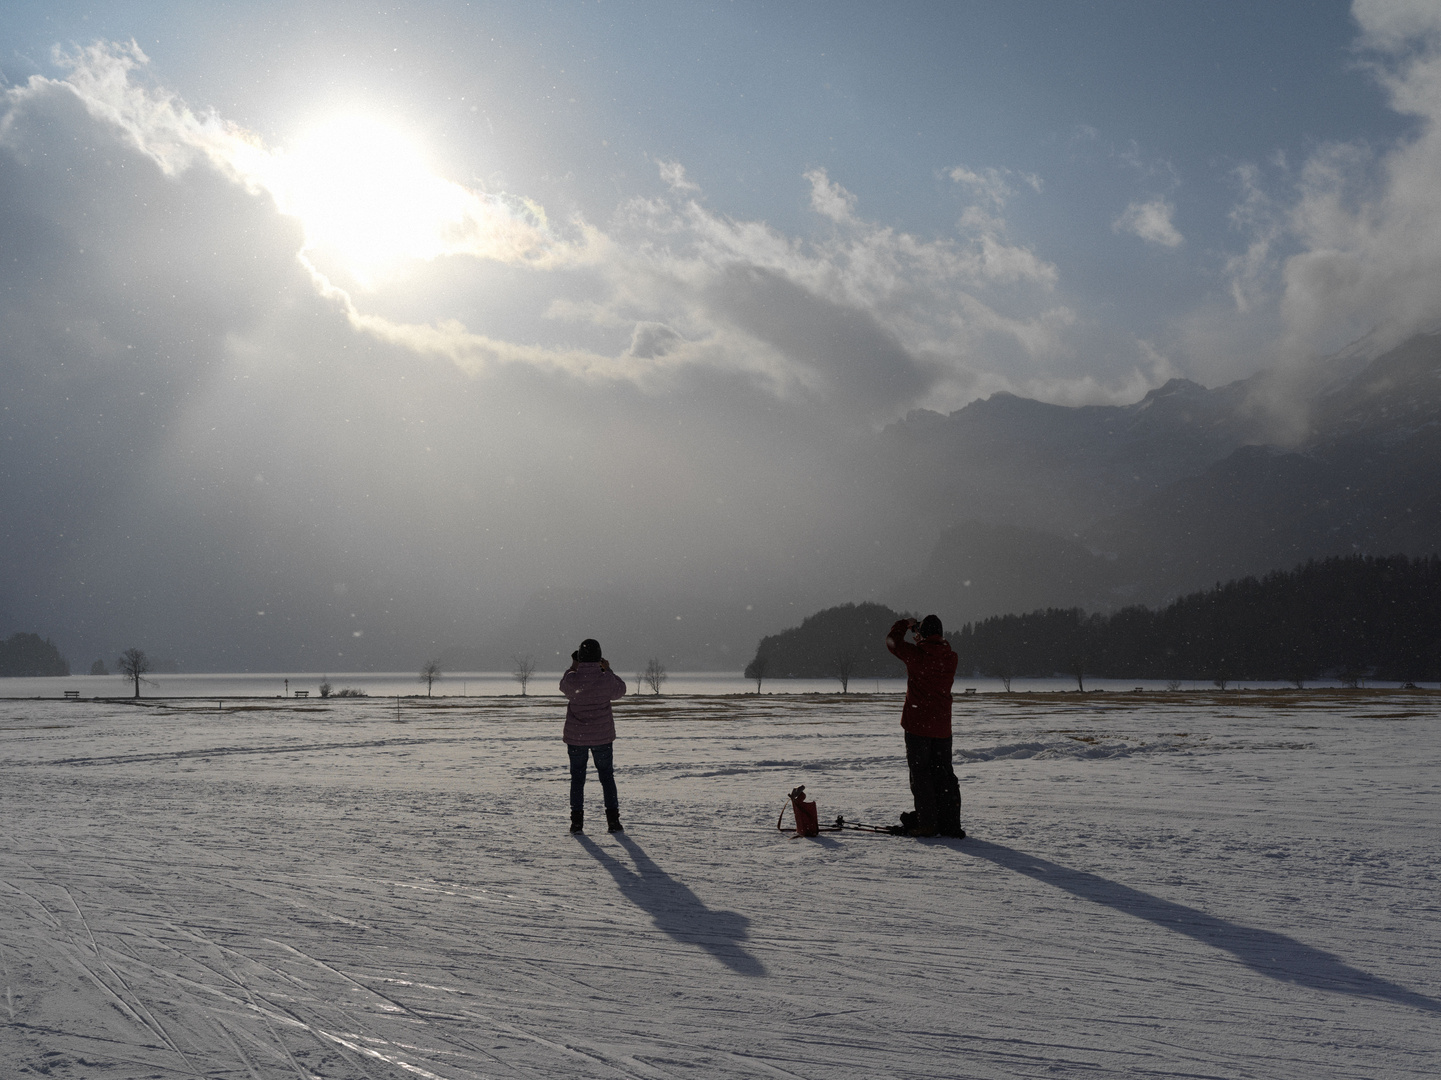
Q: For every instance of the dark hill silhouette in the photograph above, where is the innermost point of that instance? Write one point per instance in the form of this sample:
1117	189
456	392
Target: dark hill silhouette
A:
29	656
851	633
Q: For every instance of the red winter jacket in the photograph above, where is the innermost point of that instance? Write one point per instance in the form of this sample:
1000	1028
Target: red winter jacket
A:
588	719
930	670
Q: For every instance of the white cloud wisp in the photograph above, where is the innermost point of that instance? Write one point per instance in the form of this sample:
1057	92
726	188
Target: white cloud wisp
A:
1353	250
1151	221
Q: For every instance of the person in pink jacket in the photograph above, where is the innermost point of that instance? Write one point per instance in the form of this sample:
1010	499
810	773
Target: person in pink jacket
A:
591	686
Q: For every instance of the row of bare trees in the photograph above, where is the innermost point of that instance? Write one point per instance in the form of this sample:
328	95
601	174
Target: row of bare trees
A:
134	664
523	668
841	666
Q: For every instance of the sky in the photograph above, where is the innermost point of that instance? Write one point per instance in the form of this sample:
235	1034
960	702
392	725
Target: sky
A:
340	336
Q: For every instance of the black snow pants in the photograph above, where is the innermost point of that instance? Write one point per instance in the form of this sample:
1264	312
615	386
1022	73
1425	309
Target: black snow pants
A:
933	785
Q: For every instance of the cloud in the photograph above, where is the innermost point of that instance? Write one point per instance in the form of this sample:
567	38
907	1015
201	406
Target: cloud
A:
924	308
1348	244
650	340
1257	216
1369	225
442	218
673	173
830	199
988	185
1397	26
1151	221
934	303
1149	169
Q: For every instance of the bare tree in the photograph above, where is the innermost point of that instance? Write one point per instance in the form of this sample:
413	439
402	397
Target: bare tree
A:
429	673
1002	669
99	668
325	688
757	669
133	663
522	671
842	664
1078	649
654	675
997	664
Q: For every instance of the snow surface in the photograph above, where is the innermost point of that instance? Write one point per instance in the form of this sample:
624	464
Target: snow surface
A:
1156	885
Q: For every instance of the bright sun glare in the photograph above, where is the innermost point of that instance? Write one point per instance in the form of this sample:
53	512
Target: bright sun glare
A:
366	195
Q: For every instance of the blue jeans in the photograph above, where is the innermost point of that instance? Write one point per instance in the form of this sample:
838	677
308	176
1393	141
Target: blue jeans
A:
605	769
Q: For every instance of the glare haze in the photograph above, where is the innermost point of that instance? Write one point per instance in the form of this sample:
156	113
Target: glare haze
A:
337	338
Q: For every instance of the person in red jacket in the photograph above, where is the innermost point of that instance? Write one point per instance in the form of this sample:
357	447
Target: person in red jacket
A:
926	719
591	686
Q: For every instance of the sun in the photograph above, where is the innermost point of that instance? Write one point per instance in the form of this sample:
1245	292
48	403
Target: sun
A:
367	196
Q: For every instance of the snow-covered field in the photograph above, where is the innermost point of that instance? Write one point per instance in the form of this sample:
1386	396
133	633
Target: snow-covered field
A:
1199	884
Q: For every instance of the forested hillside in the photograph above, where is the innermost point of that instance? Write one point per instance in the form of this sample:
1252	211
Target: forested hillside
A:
841	642
1348	618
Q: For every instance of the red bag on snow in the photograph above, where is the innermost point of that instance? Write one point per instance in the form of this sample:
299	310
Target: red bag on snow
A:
808	821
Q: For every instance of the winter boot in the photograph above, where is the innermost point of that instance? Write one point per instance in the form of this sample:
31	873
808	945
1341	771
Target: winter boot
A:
577	821
612	821
908	820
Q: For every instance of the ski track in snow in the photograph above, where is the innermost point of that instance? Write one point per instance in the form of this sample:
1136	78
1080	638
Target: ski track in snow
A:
1193	885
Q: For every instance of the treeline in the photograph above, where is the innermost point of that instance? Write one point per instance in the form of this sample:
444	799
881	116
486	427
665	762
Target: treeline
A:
29	656
842	642
1345	617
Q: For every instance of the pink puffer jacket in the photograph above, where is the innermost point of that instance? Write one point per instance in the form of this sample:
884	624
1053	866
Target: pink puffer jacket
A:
591	689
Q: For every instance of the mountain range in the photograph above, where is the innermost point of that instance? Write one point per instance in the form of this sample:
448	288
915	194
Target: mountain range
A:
1100	507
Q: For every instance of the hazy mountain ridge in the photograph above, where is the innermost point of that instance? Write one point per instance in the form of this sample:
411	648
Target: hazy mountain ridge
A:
1362	480
1056	467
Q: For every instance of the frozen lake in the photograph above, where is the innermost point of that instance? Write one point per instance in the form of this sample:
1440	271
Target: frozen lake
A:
1155	885
502	683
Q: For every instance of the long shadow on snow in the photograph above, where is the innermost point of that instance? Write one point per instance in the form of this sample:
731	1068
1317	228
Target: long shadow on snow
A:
1268	953
677	911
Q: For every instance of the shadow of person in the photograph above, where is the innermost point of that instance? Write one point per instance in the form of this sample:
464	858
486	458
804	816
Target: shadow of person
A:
1263	951
676	911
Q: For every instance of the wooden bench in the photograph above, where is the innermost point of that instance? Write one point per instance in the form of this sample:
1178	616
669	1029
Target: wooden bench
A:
970	690
302	693
73	695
